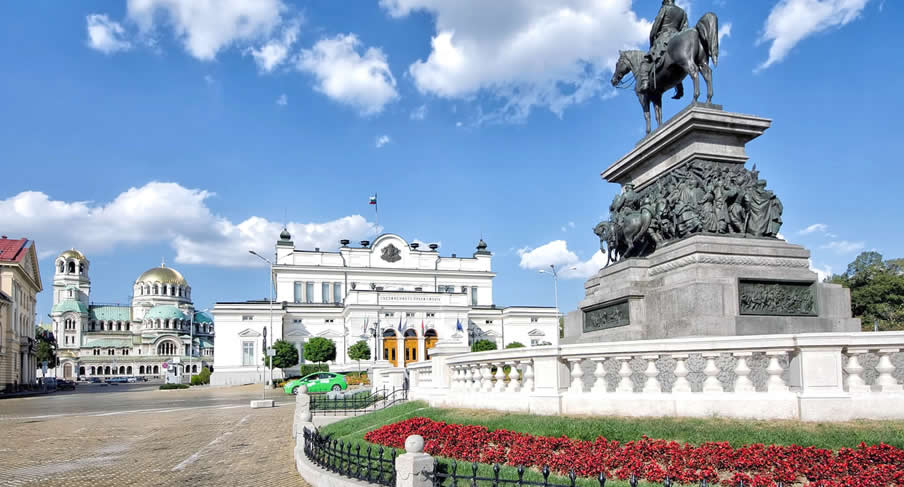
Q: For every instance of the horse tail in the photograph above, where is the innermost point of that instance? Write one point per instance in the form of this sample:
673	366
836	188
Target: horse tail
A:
708	29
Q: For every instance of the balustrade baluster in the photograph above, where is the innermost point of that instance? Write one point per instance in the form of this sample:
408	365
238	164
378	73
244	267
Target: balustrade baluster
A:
854	380
775	383
599	374
652	384
528	385
514	384
886	382
486	375
500	377
742	383
577	376
712	383
681	384
625	384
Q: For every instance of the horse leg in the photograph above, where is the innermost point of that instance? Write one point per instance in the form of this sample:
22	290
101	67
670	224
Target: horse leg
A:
708	77
692	71
657	105
645	104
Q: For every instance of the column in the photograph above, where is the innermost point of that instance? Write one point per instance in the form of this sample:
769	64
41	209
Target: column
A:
681	384
400	350
742	383
421	356
886	382
711	384
854	380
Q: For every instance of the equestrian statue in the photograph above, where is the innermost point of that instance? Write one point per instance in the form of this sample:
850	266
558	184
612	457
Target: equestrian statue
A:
675	52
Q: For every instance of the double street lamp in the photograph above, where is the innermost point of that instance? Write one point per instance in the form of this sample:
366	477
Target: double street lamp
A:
270	359
555	278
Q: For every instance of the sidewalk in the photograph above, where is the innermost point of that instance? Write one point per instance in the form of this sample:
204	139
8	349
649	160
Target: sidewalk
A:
14	395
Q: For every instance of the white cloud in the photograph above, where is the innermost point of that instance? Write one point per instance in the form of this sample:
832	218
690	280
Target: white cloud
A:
105	35
556	253
525	54
724	31
283	100
207	26
821	273
844	246
816	227
419	113
364	82
161	212
791	21
275	51
382	140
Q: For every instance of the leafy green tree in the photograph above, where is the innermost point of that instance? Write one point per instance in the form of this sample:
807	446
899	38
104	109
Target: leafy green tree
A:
483	346
46	347
877	290
319	349
286	355
515	345
359	351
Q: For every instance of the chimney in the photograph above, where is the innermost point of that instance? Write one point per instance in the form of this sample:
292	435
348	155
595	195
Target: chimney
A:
433	246
365	243
415	245
344	242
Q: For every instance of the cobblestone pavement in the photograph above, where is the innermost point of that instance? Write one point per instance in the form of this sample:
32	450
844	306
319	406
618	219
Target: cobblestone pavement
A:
201	446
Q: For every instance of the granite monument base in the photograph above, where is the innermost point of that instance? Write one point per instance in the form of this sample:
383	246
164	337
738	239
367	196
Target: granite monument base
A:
708	285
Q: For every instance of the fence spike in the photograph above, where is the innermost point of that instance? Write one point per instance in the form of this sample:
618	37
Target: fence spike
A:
633	481
703	482
667	482
546	475
520	474
602	479
474	474
571	476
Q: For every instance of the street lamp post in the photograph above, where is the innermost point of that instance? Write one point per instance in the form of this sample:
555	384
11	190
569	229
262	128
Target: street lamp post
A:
270	359
555	279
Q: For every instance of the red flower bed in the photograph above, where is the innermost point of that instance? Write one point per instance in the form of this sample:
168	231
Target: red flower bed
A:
654	460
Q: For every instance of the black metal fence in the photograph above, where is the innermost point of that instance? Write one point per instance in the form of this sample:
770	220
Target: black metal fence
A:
361	403
375	466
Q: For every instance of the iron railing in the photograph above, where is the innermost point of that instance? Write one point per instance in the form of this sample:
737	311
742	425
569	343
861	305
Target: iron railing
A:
361	403
343	458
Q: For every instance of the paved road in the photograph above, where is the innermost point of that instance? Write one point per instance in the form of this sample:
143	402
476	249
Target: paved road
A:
135	435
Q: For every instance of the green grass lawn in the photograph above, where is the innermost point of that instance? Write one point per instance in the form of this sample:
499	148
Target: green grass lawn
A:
694	431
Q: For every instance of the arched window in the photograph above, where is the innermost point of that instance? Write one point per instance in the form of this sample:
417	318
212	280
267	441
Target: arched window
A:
129	370
410	333
81	268
81	371
166	348
156	289
156	369
62	267
141	370
128	327
122	370
107	370
71	267
389	333
92	370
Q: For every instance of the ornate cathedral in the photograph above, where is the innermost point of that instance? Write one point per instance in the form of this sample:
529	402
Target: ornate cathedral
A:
159	332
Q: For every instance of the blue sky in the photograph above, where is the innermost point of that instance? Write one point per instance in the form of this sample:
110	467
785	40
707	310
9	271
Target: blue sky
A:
192	131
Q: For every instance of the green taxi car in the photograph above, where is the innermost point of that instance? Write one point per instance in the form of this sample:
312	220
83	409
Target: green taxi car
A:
317	382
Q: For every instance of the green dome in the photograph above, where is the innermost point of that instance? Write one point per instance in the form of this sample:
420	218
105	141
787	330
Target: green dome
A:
202	317
67	305
165	312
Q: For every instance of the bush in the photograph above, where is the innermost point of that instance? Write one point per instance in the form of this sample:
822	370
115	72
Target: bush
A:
286	355
483	346
311	368
319	349
165	387
201	378
515	345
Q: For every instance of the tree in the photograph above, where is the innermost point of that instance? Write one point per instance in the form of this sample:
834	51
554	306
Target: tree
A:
45	348
483	346
359	351
515	345
319	349
286	355
877	290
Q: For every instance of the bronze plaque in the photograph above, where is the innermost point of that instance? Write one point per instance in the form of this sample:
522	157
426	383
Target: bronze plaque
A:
772	298
605	317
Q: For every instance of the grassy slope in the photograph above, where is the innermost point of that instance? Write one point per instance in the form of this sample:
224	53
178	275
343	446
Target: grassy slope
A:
694	431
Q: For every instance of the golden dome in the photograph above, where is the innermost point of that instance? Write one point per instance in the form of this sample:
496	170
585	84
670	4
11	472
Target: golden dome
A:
163	275
73	254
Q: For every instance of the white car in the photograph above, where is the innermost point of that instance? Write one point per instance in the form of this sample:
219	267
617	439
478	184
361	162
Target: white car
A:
132	379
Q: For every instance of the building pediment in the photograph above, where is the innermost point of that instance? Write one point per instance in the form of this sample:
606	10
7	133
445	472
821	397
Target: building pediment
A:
298	332
536	333
330	334
249	333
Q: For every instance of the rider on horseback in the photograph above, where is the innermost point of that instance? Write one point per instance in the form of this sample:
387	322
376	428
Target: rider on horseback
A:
670	20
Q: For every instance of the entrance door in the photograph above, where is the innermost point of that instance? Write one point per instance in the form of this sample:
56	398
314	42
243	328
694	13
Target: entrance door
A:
390	347
410	346
430	339
67	371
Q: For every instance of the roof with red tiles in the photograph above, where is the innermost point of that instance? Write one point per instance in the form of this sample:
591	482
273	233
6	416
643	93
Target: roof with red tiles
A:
13	250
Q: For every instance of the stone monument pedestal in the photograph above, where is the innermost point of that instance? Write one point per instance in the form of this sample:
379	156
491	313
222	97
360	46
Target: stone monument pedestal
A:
704	259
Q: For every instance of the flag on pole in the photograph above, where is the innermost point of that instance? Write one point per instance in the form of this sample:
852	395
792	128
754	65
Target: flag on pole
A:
422	327
400	322
458	325
364	329
373	199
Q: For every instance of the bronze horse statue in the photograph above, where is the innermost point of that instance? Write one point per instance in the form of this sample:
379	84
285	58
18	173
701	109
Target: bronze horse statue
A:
629	239
688	53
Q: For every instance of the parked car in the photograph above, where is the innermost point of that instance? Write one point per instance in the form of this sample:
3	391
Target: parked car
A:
48	382
115	380
317	382
65	385
94	380
131	379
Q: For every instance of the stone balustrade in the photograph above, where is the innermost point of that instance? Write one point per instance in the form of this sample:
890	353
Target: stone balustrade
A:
815	376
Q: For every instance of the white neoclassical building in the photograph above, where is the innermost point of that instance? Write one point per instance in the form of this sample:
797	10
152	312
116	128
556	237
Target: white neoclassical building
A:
400	298
104	340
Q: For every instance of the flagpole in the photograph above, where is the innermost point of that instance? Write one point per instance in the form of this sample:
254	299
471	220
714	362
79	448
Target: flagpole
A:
377	208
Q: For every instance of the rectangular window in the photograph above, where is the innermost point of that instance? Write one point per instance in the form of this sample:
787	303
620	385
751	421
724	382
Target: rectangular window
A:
328	321
309	292
431	315
296	320
489	322
534	319
247	353
298	292
409	315
247	317
337	292
325	292
474	296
